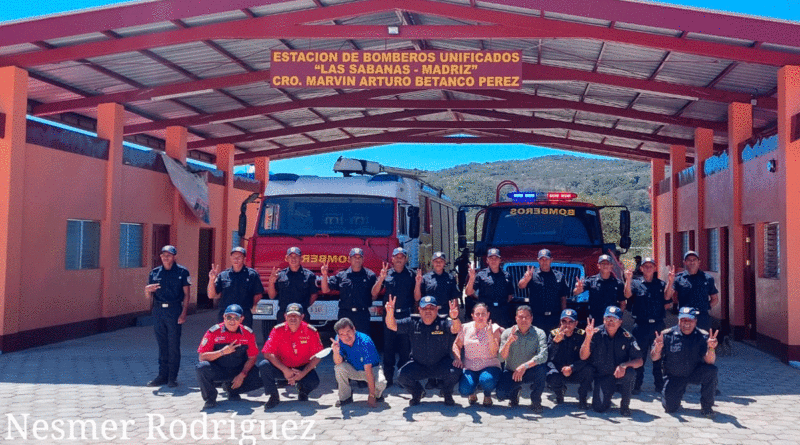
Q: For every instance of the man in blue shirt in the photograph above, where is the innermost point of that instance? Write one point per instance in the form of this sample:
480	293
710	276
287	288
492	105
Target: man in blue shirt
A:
356	358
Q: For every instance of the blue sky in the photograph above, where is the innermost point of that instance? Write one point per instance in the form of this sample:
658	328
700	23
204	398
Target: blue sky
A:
416	155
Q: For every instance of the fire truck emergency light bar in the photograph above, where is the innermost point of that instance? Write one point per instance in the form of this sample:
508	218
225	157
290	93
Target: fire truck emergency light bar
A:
534	196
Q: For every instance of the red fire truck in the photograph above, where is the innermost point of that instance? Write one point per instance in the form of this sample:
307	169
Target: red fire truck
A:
373	207
530	221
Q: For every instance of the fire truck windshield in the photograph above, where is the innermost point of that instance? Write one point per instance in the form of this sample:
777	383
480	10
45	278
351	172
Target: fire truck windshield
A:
569	226
327	215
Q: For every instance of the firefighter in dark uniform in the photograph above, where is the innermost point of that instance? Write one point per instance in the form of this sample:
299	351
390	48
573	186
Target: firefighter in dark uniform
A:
432	339
604	289
237	285
649	312
564	360
492	286
688	354
355	290
168	287
694	288
548	292
398	281
228	355
614	355
439	284
294	284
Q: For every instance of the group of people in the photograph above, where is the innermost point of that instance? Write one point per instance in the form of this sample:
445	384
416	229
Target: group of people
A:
541	347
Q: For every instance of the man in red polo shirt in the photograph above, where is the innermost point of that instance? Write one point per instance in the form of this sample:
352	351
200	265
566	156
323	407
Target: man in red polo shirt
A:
290	351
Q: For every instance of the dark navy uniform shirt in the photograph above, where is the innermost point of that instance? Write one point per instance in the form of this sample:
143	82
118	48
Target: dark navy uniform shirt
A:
442	287
172	282
546	291
682	353
429	343
607	353
238	287
603	293
295	287
401	286
567	352
355	288
493	288
694	290
649	300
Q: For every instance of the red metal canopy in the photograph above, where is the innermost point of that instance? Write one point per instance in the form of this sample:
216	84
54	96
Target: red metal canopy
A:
612	77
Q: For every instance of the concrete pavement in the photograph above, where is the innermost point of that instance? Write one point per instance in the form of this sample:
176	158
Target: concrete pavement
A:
91	391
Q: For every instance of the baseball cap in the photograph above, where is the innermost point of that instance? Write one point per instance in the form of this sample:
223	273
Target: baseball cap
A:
293	250
398	251
240	250
234	309
493	252
427	301
649	260
437	255
687	312
691	252
169	249
544	253
356	251
603	258
294	308
613	311
569	313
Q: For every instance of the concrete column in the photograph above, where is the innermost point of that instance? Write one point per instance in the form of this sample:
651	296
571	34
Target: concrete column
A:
703	149
13	103
788	158
677	162
740	129
656	176
262	171
225	154
110	120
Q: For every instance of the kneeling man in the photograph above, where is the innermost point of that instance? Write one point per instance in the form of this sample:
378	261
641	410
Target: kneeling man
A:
523	348
356	358
290	351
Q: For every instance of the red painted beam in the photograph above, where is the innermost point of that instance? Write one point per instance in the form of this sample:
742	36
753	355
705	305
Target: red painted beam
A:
703	21
2	125
349	100
148	93
378	121
542	72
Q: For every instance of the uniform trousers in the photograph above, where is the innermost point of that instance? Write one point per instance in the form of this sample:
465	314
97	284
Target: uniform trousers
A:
443	370
168	336
704	375
557	381
270	372
606	385
360	318
645	334
394	344
209	375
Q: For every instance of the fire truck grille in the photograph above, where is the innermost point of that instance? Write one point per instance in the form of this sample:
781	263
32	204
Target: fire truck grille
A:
571	272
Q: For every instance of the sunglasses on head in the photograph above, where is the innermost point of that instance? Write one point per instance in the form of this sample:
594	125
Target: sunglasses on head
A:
232	317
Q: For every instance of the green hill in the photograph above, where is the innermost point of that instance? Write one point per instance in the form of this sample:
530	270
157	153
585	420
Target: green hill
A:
599	181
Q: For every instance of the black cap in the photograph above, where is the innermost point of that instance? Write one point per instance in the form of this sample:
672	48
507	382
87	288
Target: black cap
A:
437	255
294	308
544	253
690	253
240	250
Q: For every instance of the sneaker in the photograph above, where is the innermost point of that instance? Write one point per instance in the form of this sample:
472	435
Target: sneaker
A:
209	404
448	400
415	399
302	397
473	399
158	381
624	411
708	413
344	402
274	400
536	407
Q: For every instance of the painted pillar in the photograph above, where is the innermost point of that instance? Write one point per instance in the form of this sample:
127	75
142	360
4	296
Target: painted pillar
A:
788	158
13	103
740	129
677	162
656	176
110	120
703	149
225	154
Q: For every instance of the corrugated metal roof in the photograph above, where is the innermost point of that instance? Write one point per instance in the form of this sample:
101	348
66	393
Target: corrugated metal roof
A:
619	59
